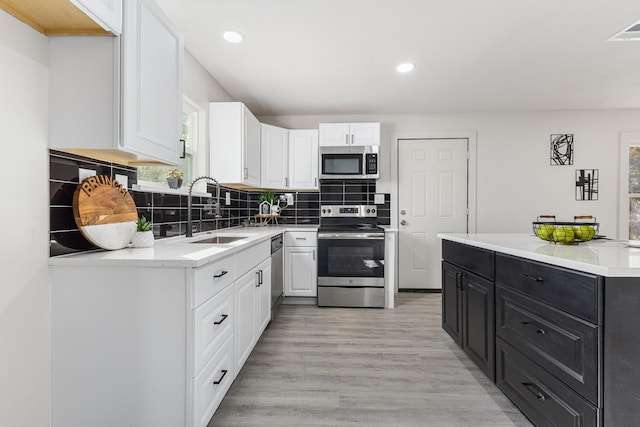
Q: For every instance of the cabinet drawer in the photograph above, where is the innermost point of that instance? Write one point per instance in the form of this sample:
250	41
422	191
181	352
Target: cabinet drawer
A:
564	345
248	258
475	260
212	384
574	292
213	324
300	238
541	397
212	278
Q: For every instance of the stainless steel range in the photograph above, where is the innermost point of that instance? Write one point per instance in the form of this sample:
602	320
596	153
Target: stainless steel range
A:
350	257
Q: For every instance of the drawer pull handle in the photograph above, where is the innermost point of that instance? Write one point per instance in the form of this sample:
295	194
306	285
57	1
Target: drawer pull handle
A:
217	276
535	391
535	279
224	372
219	322
301	238
532	326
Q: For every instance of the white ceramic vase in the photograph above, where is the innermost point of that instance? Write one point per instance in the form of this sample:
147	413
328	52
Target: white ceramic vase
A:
142	239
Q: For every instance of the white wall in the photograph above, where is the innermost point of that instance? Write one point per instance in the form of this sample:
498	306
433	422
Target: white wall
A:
201	88
515	181
24	293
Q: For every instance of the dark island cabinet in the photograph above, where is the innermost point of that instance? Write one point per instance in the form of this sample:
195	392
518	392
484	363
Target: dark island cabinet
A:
566	343
468	313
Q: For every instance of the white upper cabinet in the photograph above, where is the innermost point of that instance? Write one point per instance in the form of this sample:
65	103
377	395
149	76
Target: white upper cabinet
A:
349	134
234	142
303	159
109	97
151	82
106	13
274	157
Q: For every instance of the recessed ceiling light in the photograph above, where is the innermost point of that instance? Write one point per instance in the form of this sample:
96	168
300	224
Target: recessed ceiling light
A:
406	67
232	36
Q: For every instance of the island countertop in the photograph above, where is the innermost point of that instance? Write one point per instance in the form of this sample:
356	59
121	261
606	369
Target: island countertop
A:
609	258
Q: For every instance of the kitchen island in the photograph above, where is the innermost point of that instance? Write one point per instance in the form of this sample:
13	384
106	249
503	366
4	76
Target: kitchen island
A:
555	326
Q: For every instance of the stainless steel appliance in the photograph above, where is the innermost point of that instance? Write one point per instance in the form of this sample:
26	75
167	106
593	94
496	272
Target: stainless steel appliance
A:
359	162
277	278
350	257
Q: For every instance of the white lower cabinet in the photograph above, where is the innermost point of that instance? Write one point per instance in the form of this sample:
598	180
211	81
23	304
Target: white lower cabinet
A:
153	346
210	386
300	262
253	306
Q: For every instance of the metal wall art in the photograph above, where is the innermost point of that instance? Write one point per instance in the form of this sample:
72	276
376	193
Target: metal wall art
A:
561	149
586	184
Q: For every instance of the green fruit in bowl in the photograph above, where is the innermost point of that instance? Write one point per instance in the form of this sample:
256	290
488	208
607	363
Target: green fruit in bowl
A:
545	231
563	234
585	232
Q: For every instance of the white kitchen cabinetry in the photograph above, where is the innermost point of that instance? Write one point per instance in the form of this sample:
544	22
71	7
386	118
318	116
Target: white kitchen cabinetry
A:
349	134
106	13
109	98
300	274
234	144
153	346
303	159
252	291
274	157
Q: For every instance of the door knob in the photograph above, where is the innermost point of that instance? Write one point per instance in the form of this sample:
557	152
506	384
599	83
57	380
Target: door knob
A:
403	212
403	222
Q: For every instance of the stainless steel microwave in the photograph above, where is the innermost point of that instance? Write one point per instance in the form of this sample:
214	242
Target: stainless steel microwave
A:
360	162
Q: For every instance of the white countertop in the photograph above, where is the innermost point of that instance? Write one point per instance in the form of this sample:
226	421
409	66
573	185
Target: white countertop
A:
609	258
178	251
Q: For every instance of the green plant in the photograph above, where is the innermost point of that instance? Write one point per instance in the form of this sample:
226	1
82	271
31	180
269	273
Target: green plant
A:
268	197
142	224
175	173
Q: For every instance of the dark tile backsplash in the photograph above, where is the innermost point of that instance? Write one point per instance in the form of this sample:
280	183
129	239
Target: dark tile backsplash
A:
355	192
168	212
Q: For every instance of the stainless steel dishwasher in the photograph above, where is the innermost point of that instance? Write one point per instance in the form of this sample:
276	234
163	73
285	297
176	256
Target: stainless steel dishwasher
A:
277	276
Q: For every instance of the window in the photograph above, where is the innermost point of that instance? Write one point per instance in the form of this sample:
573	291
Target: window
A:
192	135
629	222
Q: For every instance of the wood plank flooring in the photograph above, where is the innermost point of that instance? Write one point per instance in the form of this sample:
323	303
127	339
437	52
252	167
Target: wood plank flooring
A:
338	367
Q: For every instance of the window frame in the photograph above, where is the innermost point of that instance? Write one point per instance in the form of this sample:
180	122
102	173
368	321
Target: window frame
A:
627	140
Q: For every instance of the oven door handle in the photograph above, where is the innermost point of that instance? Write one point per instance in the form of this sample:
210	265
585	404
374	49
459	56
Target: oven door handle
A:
351	236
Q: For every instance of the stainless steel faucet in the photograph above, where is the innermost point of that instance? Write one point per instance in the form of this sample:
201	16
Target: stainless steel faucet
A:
189	202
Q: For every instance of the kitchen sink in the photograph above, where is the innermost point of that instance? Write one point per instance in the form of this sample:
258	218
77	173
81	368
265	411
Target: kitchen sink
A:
219	240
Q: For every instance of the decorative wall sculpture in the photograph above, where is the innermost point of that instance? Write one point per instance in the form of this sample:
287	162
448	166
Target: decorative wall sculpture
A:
561	149
586	184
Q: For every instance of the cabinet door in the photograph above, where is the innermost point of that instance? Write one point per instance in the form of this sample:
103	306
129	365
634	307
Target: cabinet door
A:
334	135
478	325
300	275
274	157
451	301
364	133
151	83
251	144
106	13
303	159
264	296
246	317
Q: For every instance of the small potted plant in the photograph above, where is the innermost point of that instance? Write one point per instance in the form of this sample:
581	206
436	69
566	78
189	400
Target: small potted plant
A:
143	237
268	199
174	178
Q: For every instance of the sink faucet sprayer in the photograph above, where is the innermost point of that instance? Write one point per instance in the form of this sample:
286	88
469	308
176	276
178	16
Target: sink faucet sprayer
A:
189	226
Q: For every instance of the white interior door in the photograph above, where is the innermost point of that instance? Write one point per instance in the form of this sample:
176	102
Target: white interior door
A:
432	198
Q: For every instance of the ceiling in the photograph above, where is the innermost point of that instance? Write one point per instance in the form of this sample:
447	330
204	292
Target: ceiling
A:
314	57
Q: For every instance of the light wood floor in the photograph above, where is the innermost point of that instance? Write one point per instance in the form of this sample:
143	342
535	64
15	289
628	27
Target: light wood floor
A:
363	367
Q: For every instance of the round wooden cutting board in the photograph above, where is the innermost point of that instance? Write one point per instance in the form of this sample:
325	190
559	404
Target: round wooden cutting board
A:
105	212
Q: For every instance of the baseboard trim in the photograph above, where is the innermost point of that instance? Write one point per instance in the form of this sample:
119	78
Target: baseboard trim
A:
424	291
